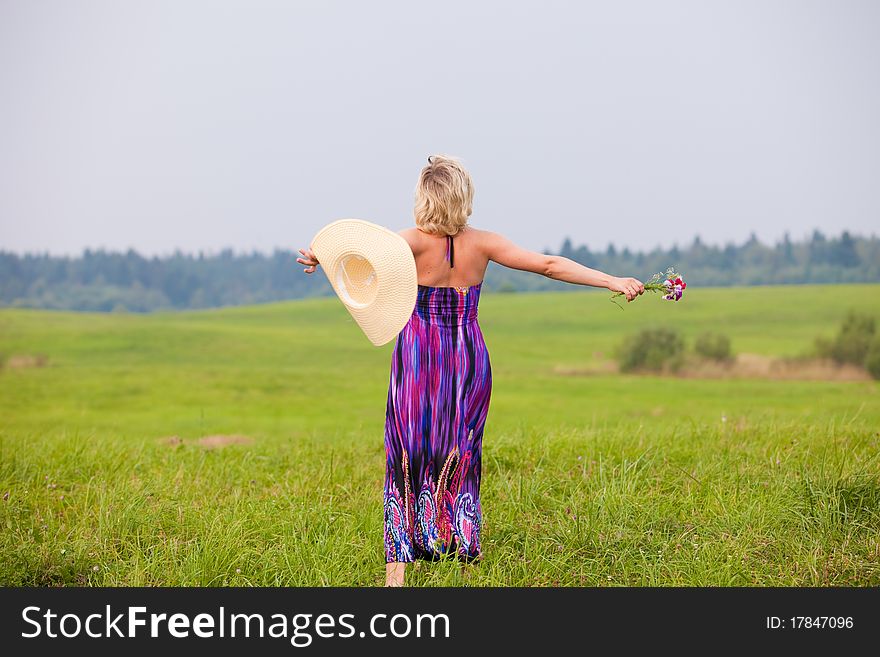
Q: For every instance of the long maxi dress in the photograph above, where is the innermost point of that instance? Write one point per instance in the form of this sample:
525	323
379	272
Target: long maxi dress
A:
438	399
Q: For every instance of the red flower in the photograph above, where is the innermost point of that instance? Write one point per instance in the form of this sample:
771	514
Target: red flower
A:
678	281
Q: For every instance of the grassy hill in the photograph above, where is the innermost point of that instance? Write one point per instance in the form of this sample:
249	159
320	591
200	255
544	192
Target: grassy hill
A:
590	479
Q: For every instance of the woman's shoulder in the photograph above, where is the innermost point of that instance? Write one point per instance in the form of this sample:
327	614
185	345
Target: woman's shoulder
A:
414	237
484	239
418	239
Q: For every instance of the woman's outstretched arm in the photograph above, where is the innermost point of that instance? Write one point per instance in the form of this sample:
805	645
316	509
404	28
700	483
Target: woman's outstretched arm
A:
501	250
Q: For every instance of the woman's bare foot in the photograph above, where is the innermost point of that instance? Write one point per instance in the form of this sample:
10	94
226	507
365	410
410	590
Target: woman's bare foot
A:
394	573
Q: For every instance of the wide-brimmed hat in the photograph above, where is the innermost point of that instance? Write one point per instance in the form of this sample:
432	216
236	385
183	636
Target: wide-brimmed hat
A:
372	271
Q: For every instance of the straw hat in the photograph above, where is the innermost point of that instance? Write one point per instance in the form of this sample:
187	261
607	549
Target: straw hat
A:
372	271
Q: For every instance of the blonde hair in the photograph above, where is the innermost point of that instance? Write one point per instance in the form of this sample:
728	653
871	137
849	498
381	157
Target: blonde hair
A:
444	196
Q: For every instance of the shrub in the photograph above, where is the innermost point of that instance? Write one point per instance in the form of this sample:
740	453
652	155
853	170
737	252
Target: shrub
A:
652	349
852	341
715	346
872	361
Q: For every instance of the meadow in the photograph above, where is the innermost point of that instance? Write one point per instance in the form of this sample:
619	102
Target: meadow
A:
244	446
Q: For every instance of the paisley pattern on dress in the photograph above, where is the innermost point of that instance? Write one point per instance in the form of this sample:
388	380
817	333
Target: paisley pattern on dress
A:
397	540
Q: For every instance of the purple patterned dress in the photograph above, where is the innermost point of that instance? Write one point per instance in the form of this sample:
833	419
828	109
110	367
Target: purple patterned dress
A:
438	398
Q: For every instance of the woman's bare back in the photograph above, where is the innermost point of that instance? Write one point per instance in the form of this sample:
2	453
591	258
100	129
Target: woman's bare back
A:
469	257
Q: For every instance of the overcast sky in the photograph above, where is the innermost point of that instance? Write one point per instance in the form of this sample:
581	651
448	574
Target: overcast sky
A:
250	124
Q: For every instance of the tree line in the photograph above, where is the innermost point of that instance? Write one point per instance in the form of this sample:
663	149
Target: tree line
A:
99	280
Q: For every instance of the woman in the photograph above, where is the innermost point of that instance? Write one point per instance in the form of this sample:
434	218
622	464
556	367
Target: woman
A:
441	379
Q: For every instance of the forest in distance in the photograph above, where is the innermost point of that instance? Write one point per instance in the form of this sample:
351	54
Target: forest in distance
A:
108	281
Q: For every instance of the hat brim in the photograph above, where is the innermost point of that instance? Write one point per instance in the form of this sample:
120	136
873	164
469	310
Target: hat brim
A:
373	272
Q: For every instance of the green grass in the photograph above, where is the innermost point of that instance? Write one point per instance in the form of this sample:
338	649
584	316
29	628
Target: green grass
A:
588	480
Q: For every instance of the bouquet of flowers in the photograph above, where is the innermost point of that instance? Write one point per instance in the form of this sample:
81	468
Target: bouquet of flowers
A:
670	284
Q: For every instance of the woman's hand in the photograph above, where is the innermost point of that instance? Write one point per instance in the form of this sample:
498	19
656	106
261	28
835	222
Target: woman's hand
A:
630	287
309	260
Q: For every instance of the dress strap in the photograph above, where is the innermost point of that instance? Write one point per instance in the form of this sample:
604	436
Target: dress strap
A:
450	251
